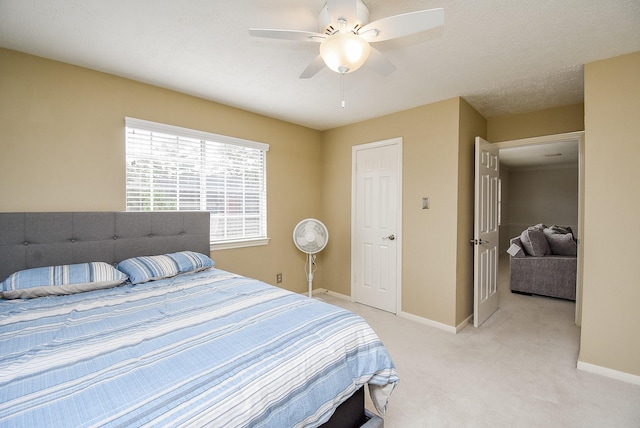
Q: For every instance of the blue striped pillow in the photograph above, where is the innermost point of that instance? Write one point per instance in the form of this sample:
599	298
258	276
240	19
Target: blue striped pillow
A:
148	268
64	279
190	261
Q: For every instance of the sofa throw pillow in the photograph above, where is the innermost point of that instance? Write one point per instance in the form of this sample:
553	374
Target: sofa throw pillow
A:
563	230
534	242
561	244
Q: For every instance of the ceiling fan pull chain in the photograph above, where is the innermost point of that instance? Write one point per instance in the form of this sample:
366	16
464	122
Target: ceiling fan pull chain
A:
342	90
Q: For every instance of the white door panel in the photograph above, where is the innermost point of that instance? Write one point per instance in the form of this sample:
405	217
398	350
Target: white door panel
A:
485	238
375	227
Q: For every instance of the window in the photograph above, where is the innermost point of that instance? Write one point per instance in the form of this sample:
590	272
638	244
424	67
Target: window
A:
172	168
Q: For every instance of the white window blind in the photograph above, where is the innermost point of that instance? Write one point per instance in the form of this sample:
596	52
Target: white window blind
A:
173	168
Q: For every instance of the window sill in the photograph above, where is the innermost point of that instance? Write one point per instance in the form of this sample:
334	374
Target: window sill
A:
239	244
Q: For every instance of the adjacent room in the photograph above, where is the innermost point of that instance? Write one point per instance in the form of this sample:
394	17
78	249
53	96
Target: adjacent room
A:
120	118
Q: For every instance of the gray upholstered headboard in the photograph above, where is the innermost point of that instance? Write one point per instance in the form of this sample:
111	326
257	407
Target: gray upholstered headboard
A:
29	240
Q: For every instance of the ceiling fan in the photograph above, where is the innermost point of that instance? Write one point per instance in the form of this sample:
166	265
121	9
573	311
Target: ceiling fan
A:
346	33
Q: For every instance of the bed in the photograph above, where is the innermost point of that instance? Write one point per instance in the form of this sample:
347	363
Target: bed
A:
202	347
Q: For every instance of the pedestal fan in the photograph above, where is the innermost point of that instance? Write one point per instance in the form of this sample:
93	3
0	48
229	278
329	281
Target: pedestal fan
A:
310	236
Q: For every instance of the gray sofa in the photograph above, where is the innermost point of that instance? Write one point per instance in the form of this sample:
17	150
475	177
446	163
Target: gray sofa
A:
543	261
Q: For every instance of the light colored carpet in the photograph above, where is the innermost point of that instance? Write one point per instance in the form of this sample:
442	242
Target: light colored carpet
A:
517	370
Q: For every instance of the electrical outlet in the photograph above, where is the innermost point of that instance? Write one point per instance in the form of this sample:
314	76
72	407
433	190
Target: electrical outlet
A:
279	278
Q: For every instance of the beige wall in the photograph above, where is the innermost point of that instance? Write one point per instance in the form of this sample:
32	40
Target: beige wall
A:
611	285
558	120
65	141
431	147
551	121
540	195
62	149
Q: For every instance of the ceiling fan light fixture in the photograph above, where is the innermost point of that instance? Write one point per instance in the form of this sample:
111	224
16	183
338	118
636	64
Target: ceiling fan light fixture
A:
344	52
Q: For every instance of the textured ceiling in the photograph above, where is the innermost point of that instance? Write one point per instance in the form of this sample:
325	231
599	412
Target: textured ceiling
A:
503	56
553	154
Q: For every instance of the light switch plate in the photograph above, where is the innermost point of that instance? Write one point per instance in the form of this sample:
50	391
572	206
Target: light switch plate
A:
426	203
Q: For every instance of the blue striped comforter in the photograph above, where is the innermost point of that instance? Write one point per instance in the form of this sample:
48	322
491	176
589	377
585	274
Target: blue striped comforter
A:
210	348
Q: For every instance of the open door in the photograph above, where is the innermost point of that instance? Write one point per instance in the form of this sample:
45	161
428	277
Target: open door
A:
485	232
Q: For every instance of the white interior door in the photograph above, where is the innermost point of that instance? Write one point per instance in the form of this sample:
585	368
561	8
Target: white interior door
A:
375	226
485	235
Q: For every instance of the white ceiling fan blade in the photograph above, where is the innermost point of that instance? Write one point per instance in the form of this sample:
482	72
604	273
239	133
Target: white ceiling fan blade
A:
379	63
342	9
316	65
295	35
396	26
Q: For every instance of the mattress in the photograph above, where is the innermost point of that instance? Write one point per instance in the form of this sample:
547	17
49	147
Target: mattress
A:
206	348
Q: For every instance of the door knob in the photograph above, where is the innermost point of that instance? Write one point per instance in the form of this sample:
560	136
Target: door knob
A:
479	241
390	237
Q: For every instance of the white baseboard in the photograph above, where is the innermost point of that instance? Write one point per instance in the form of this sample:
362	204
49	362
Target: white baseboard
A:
604	371
464	323
338	295
331	293
428	322
406	315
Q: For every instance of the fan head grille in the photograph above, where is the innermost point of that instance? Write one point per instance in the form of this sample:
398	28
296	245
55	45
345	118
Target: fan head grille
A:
310	236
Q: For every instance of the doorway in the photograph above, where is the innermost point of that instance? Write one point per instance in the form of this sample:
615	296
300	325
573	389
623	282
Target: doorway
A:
546	156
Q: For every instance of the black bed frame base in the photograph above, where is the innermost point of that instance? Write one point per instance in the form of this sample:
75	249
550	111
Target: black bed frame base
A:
349	414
